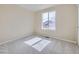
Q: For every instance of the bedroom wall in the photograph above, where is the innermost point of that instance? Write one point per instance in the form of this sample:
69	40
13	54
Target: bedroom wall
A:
66	23
15	22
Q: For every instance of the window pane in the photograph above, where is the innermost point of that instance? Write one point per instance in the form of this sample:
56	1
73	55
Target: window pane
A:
52	16
52	20
45	15
45	20
46	23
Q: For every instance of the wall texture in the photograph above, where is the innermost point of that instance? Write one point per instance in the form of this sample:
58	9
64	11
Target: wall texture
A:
66	23
15	22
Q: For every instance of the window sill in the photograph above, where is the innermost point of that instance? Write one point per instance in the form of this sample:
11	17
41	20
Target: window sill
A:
48	29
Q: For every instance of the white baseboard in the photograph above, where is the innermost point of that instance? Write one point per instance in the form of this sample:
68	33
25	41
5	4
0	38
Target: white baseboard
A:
60	39
67	40
15	38
35	34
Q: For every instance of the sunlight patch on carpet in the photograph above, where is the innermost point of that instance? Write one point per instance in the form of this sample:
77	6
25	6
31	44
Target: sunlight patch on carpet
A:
41	45
37	43
33	41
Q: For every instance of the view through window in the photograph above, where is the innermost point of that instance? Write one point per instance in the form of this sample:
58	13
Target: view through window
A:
49	20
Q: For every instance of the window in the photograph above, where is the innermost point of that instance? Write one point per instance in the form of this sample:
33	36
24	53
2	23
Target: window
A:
48	20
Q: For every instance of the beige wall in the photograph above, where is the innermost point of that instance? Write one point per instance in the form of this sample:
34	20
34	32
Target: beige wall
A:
15	22
66	23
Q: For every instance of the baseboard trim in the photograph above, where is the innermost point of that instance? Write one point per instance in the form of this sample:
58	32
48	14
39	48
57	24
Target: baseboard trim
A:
67	40
17	38
74	42
36	34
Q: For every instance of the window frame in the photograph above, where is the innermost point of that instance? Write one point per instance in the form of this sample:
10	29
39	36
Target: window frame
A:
48	21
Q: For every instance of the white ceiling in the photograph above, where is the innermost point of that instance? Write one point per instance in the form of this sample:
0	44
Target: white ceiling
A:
36	7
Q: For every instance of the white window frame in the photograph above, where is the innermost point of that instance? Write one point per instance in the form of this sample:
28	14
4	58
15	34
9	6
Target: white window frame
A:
48	20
